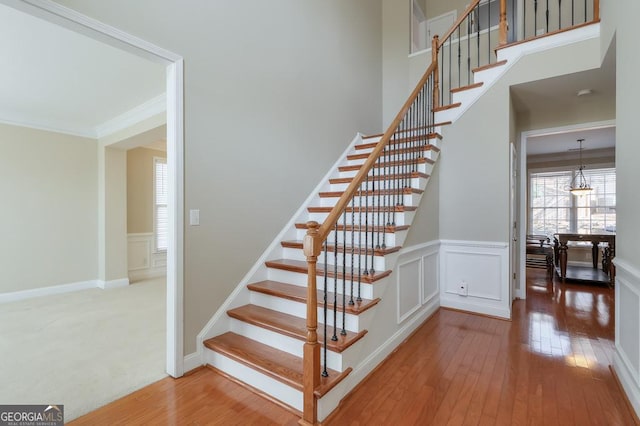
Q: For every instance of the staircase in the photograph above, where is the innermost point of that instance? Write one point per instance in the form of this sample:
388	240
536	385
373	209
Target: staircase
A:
264	345
308	316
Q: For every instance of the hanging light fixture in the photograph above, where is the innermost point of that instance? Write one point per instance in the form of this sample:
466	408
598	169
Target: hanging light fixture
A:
579	185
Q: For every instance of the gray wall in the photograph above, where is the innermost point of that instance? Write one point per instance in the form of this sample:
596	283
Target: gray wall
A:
48	220
274	91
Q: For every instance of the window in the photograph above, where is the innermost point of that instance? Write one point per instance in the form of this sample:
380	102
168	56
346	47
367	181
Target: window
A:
554	209
160	196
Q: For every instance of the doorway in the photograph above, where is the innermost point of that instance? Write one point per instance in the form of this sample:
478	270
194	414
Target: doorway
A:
67	18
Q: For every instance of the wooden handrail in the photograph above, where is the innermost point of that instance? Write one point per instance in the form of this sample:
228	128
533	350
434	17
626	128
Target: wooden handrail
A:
458	22
353	187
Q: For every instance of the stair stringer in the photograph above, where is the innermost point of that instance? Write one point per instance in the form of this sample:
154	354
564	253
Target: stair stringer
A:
220	322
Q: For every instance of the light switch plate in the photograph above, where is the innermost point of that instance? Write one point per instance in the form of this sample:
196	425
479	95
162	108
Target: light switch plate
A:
194	217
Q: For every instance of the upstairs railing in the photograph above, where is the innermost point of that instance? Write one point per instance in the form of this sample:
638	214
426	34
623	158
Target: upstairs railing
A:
341	251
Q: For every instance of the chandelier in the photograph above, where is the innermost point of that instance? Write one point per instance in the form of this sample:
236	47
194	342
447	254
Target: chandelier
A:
579	185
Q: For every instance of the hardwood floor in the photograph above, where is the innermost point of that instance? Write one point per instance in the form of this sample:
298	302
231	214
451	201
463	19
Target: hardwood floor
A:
549	366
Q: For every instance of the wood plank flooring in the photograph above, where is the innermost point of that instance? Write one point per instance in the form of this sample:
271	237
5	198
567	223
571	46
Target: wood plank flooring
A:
548	366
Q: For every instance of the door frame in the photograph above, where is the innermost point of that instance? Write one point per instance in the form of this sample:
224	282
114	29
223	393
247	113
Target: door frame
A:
524	190
82	24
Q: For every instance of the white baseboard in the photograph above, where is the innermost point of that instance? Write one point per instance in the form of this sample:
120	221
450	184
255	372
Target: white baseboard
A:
192	361
147	274
629	385
46	291
626	357
107	285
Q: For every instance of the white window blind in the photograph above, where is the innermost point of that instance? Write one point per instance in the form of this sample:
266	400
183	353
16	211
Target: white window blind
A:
554	209
160	196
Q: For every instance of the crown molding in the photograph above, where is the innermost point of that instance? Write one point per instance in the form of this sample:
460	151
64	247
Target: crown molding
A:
64	128
135	115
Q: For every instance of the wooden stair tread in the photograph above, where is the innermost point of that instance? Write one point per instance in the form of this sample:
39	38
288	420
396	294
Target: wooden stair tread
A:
277	364
365	155
410	175
299	294
356	167
338	194
300	266
468	87
296	244
387	229
446	107
291	326
489	66
370	145
371	209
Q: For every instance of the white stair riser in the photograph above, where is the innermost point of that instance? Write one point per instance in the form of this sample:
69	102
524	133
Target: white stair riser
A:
266	384
418	183
361	148
299	310
379	263
467	96
488	76
295	278
401	218
392	239
406	199
281	342
427	153
421	168
450	114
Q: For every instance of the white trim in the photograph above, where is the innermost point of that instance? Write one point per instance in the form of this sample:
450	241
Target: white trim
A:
477	244
629	277
108	285
83	132
523	173
175	244
405	250
135	115
627	268
402	316
192	361
483	296
75	21
206	331
46	291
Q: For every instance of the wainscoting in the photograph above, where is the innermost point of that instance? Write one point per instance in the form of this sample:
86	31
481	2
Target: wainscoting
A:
417	279
626	361
475	277
143	262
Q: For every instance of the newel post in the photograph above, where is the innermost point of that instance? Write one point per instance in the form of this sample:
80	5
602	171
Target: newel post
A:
436	73
311	353
596	10
503	23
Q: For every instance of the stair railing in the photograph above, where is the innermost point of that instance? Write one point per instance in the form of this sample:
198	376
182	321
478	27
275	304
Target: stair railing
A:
355	229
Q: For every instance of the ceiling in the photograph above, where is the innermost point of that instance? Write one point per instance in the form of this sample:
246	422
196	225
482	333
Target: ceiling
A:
55	79
555	96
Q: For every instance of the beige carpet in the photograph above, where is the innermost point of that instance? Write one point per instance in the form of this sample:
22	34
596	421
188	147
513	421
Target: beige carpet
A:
82	349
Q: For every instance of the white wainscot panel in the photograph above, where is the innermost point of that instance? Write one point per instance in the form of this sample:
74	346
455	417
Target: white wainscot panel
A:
475	277
409	298
143	262
626	361
430	276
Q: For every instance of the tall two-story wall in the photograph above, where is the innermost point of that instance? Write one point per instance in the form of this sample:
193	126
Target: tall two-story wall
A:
274	92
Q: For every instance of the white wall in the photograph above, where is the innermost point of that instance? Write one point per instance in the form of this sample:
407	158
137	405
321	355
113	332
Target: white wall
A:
627	360
274	91
48	219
